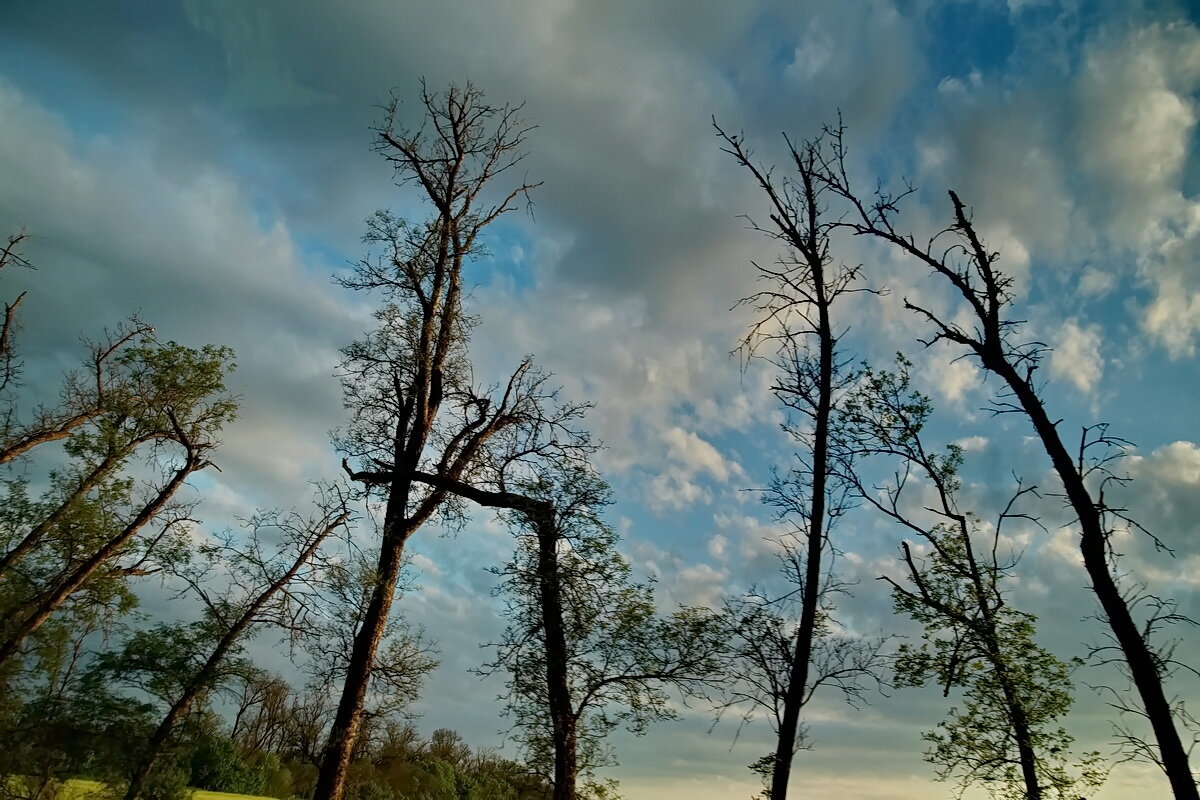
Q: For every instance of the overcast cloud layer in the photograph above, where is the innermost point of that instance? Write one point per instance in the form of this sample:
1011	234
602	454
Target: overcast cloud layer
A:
207	164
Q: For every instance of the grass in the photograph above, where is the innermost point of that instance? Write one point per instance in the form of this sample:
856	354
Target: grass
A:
204	794
80	789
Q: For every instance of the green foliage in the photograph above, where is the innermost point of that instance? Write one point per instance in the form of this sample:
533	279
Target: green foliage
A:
974	641
973	745
97	520
64	732
402	766
167	781
152	395
218	765
623	657
163	661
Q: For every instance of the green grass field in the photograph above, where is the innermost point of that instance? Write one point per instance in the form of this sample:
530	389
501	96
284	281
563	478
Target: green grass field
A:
79	789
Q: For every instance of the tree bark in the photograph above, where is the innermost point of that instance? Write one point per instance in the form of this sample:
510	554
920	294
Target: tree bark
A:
335	759
558	697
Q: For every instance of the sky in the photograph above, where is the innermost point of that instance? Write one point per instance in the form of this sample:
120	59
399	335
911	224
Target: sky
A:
208	165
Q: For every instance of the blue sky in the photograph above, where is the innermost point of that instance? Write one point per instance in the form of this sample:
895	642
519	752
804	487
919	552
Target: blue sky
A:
207	163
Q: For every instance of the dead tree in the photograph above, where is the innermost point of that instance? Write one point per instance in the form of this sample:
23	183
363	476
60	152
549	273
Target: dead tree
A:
409	383
958	256
797	333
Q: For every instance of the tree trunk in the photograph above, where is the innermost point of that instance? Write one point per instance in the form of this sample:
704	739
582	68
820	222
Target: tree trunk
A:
335	761
558	698
1093	544
1017	717
794	698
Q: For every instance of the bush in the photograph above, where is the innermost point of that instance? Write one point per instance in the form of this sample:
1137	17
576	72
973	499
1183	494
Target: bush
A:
167	781
217	765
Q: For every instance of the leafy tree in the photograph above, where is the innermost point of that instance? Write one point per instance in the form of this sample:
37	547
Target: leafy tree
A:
1006	735
266	589
54	727
95	523
585	650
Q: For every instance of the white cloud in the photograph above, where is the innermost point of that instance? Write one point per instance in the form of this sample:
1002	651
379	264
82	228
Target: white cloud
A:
1136	117
1137	122
972	444
717	547
1076	356
697	455
1096	282
953	379
699	585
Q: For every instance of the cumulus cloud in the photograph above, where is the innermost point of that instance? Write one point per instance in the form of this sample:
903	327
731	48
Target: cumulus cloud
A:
1076	355
1138	117
215	192
119	235
676	484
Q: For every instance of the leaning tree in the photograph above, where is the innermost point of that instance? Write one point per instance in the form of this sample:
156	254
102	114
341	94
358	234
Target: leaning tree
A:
985	329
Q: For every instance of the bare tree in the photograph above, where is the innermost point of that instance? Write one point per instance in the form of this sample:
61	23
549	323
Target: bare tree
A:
262	713
266	589
584	649
992	338
760	651
797	333
409	382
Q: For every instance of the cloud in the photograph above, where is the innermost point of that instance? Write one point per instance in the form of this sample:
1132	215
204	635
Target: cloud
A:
1135	120
1138	117
699	585
118	235
972	444
1076	355
697	455
213	169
